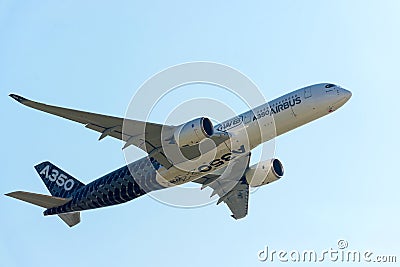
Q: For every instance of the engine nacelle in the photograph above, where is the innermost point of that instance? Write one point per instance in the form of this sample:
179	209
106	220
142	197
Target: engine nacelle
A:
193	132
264	172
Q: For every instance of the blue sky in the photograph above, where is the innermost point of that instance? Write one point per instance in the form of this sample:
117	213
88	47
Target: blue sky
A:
341	178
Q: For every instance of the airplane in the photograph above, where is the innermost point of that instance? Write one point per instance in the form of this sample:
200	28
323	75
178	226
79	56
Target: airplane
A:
176	154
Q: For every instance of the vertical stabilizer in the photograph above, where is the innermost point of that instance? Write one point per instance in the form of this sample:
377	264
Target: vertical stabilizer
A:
58	182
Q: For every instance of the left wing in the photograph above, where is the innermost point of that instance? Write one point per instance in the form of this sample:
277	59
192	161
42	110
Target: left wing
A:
231	186
145	135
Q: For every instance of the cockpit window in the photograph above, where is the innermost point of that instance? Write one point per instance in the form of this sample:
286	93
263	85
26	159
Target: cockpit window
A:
329	85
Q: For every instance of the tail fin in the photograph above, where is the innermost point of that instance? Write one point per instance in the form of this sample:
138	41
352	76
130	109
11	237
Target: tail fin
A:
48	202
58	182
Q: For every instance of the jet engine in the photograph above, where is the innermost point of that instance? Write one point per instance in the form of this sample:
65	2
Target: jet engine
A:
193	132
264	172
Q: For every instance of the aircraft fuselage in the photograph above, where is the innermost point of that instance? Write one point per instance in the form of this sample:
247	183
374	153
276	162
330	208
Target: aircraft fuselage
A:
247	131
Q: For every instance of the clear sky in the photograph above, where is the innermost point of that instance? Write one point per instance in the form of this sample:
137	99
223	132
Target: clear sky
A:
341	178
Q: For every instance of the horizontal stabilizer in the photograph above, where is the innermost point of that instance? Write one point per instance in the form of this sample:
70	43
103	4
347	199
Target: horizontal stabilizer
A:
71	219
48	202
43	201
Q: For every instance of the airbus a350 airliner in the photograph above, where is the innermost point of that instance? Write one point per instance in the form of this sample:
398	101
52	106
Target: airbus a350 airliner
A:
174	155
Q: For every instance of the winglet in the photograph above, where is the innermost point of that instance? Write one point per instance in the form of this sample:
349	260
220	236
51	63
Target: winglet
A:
20	99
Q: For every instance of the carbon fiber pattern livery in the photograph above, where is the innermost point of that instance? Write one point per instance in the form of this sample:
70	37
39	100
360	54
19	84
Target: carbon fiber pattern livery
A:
57	180
114	188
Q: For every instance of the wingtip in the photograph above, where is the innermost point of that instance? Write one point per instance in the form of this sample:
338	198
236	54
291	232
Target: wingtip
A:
18	98
11	194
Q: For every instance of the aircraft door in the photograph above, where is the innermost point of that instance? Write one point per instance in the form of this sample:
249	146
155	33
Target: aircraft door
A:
307	92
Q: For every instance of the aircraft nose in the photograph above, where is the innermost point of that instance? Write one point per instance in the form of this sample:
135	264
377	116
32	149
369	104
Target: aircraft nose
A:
347	94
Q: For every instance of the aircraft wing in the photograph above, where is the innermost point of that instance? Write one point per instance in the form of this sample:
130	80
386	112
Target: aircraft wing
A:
231	186
145	135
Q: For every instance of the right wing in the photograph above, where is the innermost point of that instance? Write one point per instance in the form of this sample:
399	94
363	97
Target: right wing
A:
231	186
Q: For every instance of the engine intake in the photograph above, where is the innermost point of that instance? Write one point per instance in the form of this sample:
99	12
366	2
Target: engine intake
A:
264	172
193	132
